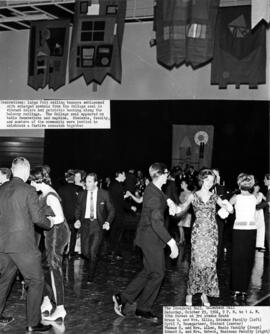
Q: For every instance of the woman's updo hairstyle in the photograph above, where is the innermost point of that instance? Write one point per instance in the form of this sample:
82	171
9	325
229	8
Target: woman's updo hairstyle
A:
40	175
203	174
245	181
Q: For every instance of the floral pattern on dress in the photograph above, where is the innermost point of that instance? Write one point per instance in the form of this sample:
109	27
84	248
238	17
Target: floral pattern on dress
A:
204	241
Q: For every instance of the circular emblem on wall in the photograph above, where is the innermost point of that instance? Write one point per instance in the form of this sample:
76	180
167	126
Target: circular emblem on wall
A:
201	137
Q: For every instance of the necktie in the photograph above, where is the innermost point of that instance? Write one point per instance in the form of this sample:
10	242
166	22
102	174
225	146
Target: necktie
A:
92	216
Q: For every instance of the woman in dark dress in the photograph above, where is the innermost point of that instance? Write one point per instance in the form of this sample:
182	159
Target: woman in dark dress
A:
56	239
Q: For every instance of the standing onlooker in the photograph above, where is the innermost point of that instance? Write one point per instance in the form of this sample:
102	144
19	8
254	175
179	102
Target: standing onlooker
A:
151	237
244	236
116	191
185	219
69	193
94	213
19	211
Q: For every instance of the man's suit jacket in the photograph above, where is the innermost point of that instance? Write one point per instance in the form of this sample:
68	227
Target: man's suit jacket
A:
264	205
105	210
69	193
19	211
116	191
151	228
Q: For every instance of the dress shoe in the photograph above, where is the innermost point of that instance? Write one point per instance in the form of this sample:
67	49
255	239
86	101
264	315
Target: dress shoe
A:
118	304
188	300
236	294
58	313
5	320
146	315
46	305
205	300
39	328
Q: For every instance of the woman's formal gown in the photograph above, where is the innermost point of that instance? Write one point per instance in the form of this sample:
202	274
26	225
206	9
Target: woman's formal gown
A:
204	241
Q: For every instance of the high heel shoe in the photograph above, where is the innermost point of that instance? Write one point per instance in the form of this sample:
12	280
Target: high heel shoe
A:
205	300
46	305
188	300
58	313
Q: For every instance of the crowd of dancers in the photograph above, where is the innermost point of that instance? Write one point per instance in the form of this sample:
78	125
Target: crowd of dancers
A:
39	225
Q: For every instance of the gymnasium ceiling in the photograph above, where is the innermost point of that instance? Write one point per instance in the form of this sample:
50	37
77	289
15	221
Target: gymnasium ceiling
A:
18	14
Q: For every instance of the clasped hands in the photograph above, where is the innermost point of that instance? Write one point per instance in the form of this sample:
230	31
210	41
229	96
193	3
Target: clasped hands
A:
173	208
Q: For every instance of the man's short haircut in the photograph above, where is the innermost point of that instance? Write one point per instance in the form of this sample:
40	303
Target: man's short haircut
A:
81	172
157	169
267	176
118	172
94	175
6	171
20	162
69	175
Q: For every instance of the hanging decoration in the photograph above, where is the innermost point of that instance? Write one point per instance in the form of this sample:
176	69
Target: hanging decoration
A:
185	31
97	40
48	52
239	53
193	145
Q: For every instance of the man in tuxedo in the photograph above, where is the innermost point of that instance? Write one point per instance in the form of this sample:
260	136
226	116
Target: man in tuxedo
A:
94	213
19	211
69	193
121	206
266	206
151	237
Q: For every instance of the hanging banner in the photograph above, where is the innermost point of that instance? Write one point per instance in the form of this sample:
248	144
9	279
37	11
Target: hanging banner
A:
239	52
193	145
185	31
48	51
97	40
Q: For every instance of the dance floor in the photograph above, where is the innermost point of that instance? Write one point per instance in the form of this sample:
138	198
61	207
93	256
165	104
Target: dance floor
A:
90	308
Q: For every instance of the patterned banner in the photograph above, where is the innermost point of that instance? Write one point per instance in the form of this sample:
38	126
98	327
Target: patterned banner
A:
97	40
185	31
240	53
48	52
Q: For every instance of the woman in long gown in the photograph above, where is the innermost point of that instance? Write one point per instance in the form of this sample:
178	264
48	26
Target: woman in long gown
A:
56	240
202	276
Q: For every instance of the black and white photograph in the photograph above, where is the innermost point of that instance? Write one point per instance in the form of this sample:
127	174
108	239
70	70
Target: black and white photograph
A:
165	200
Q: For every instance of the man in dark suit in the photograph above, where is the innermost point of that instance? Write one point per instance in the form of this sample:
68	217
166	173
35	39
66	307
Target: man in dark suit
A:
94	213
266	206
121	206
223	193
19	211
69	193
151	237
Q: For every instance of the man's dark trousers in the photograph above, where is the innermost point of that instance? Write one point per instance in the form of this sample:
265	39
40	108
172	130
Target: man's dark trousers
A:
29	264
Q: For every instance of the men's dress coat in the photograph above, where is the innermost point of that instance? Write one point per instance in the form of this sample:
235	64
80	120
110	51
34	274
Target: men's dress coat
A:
104	210
151	228
116	191
19	211
69	194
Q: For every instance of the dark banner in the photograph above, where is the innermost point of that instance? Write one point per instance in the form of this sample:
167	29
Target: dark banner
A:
97	40
185	31
239	53
48	52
